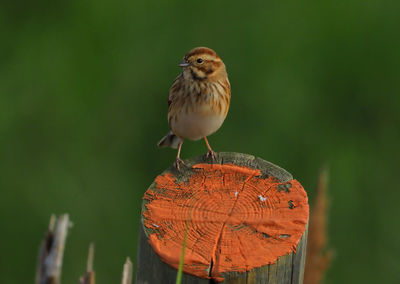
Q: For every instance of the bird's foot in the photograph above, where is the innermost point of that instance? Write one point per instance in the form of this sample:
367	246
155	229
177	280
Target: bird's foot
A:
211	155
177	163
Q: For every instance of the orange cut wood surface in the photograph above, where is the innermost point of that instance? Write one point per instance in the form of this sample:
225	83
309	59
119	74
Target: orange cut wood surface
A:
237	220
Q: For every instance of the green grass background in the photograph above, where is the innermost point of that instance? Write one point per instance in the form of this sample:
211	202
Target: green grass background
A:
83	88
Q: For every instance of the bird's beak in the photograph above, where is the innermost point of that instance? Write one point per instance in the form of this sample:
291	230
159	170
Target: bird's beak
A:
183	63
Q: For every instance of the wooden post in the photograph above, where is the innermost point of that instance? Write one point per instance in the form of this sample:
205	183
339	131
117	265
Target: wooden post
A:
245	221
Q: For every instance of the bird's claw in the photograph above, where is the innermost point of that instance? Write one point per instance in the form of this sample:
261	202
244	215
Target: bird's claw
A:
177	163
211	155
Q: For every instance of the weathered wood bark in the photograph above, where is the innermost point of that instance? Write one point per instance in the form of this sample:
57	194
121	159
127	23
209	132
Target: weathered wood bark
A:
50	259
52	251
287	267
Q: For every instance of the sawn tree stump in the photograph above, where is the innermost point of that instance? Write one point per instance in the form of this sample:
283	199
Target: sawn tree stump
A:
245	219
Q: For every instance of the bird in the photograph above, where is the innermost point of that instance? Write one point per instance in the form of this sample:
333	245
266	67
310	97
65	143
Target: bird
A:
198	100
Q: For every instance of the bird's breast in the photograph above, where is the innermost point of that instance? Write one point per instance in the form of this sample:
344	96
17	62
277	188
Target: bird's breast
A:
199	110
197	123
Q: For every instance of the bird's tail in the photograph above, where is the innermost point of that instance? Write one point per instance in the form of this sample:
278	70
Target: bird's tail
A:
170	140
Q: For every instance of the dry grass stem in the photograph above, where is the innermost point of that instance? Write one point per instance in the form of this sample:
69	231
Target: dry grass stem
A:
128	272
89	277
318	256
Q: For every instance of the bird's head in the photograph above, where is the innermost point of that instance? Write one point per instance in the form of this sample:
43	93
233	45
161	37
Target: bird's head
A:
202	63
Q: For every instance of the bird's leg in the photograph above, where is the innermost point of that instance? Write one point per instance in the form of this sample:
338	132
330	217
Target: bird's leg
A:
210	152
178	160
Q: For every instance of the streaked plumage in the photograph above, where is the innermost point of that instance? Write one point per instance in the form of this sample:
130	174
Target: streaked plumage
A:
198	100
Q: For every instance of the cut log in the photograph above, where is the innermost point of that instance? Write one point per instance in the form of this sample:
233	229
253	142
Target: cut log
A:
245	219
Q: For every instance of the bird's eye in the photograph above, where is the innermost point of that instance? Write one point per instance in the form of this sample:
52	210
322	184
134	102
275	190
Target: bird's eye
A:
199	60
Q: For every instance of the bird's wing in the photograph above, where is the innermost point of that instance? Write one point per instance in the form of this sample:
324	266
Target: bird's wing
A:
173	90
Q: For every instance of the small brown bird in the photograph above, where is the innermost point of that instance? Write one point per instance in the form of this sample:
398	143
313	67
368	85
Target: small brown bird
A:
198	100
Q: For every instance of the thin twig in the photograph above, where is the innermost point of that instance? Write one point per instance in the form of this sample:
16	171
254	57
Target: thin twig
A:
89	277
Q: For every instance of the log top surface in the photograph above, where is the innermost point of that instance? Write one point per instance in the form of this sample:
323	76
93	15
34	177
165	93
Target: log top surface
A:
239	213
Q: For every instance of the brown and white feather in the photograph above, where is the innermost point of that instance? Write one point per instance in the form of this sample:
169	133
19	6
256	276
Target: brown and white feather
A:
199	98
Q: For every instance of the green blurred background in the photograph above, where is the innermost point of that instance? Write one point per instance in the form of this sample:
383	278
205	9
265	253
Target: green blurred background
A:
83	88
